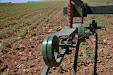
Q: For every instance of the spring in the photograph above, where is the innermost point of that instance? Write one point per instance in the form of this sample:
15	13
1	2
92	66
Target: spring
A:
70	16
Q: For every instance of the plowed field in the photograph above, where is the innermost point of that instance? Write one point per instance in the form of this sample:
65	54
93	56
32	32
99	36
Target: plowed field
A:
23	28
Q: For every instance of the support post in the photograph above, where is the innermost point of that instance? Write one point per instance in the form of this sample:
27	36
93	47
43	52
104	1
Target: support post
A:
96	51
76	57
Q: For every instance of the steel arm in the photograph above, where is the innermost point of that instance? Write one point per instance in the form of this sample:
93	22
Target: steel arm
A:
108	9
79	3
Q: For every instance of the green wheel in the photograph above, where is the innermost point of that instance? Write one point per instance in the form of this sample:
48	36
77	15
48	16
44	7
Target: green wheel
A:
50	51
44	50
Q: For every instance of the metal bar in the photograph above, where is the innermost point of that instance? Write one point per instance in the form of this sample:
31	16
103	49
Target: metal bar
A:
66	32
45	70
77	10
79	3
67	45
61	55
108	9
96	51
76	57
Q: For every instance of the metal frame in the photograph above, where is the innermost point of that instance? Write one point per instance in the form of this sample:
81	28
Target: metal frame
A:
50	47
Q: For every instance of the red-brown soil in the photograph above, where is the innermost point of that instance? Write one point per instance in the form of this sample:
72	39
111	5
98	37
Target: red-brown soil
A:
26	58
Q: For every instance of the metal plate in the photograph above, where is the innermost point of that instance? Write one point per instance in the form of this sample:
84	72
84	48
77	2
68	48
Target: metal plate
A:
81	30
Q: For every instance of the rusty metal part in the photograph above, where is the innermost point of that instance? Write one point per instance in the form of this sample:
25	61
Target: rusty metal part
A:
70	16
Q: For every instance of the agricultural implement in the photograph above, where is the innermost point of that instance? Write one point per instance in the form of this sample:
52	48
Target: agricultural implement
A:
55	46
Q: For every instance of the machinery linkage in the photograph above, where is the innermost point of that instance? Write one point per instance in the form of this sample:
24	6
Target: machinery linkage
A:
55	46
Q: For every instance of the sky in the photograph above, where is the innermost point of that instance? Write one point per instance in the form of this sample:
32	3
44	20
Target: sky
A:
16	1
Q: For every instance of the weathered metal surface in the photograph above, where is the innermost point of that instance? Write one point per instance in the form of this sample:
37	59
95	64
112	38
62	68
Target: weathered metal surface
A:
52	42
65	32
108	9
76	58
45	70
50	47
50	51
65	10
81	30
77	11
96	54
61	55
44	50
70	15
76	24
67	43
79	3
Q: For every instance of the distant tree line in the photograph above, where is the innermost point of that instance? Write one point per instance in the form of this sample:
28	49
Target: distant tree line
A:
31	1
4	2
8	2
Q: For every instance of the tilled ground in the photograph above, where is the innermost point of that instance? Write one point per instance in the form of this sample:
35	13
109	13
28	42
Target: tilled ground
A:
26	58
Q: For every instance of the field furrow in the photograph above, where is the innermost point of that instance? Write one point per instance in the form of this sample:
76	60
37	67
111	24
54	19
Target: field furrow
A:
24	26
